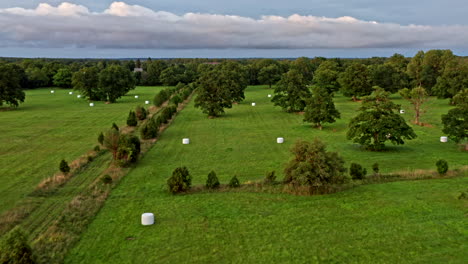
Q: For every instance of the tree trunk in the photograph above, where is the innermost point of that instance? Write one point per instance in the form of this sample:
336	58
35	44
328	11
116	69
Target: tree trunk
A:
319	126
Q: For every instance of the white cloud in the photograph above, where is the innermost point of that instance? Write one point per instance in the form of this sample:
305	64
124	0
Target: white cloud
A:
133	26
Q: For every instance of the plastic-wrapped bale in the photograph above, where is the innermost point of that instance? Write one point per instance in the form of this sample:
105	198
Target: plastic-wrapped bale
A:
70	93
91	104
52	91
269	95
136	96
402	111
253	104
147	102
443	139
280	140
147	219
78	96
186	141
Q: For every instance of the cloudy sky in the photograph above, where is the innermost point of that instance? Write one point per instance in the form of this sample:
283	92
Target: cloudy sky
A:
220	28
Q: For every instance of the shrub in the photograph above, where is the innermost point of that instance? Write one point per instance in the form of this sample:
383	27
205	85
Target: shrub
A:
357	172
90	158
111	141
463	196
97	148
64	167
375	168
270	178
234	182
149	129
442	166
114	126
129	149
100	138
132	119
161	97
176	100
14	248
107	179
212	181
180	180
141	113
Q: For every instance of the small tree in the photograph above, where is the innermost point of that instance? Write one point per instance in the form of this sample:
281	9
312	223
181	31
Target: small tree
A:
129	149
456	121
14	248
132	119
180	181
161	97
442	166
212	181
357	172
375	168
114	126
101	138
417	97
111	141
149	129
64	167
176	100
234	182
320	108
141	113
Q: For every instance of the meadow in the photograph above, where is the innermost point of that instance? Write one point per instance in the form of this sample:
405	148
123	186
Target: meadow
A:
50	127
400	222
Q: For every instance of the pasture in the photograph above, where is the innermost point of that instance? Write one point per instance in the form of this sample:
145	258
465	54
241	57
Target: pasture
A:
400	222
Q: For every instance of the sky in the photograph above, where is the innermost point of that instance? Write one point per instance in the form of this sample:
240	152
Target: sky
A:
220	28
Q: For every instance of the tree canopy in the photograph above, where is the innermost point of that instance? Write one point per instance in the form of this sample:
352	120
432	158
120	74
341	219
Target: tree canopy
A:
115	81
86	81
320	108
456	120
11	91
291	92
355	81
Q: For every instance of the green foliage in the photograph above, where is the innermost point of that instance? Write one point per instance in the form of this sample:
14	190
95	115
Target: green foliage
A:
212	96
417	97
153	72
463	196
101	138
212	181
313	166
111	141
375	168
161	97
377	122
233	77
107	179
97	148
141	113
357	172
86	81
115	81
355	81
415	67
180	181
453	79
456	121
270	178
176	100
128	149
234	182
320	108
149	129
114	126
326	76
173	75
14	248
269	74
132	119
291	92
63	166
388	76
442	166
10	85
63	78
304	66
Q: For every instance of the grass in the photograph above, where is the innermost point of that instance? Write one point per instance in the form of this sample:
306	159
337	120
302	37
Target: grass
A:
400	222
50	127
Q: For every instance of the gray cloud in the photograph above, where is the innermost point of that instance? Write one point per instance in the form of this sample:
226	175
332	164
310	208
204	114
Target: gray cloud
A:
124	26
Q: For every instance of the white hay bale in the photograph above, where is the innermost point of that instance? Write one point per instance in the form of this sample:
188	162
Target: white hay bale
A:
70	93
186	141
147	102
91	104
280	140
147	219
443	139
253	104
78	96
402	111
136	96
269	95
52	91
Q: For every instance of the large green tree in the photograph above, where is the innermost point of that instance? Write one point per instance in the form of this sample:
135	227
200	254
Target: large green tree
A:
320	108
456	120
234	78
86	81
355	81
305	67
63	78
153	72
326	76
291	92
11	91
115	81
269	74
453	79
213	95
389	77
377	122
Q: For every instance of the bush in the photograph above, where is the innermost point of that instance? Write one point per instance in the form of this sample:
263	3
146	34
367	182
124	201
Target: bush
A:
111	141
132	119
149	129
90	158
270	178
100	138
375	168
357	172
141	113
14	248
161	97
97	148
107	179
442	166
114	126
64	167
176	100
234	182
180	181
212	181
129	149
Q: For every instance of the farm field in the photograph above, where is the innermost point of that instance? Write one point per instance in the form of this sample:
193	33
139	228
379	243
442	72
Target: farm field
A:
400	222
50	127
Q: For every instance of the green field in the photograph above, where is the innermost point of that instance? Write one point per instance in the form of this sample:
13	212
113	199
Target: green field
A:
402	222
50	127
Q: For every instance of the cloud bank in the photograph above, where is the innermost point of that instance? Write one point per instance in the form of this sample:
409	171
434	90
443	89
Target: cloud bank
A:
124	26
